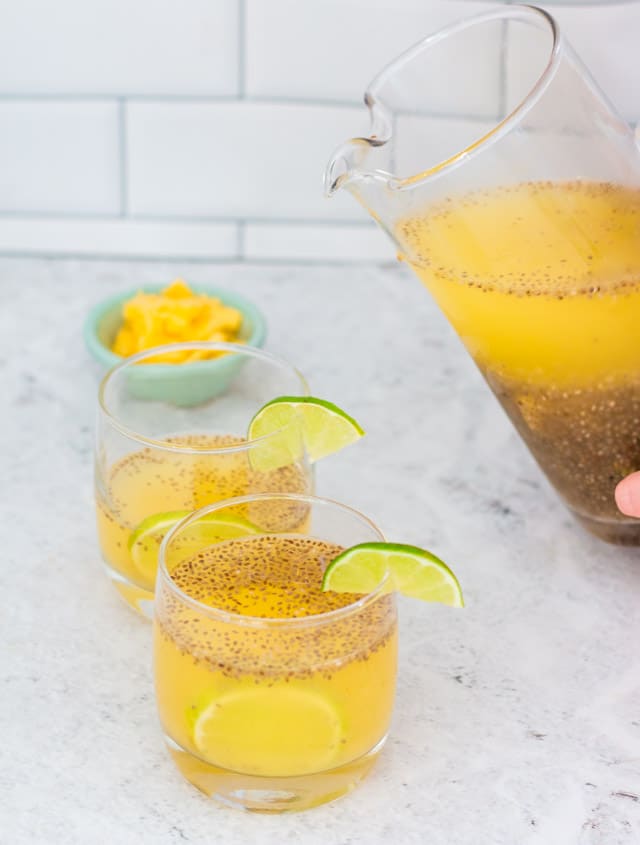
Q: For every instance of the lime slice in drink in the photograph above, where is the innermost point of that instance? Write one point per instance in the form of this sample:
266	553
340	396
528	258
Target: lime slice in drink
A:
145	541
323	429
410	570
278	731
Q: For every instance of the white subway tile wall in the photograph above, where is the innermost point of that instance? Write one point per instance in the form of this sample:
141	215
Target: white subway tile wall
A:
119	47
607	40
200	128
238	160
332	49
58	156
86	237
308	242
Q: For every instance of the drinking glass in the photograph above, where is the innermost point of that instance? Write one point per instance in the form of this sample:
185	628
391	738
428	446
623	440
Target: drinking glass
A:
272	694
507	181
172	437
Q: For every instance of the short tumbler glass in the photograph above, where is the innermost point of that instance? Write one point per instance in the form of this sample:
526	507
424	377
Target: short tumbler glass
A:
172	438
272	694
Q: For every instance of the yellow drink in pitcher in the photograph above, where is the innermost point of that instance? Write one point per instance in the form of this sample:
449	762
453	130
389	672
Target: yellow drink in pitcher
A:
542	283
150	482
296	698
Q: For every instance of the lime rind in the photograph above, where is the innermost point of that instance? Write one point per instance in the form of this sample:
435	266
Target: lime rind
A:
353	572
144	542
323	429
410	570
154	523
315	402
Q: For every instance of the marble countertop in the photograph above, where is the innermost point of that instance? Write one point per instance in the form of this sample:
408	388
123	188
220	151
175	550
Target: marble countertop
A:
517	720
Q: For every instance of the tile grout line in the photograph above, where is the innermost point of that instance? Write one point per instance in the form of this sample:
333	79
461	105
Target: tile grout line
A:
242	49
90	217
241	240
123	157
194	99
154	258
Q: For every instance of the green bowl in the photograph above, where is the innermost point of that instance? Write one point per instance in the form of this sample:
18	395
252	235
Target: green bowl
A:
181	384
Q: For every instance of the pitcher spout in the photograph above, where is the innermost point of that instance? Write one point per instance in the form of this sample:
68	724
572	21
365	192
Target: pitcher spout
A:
363	157
347	165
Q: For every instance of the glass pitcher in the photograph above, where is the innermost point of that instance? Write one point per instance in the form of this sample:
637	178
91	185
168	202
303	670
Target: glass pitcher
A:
508	182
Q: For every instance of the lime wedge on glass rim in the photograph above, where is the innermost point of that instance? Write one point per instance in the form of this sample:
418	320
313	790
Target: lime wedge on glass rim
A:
410	570
323	429
145	540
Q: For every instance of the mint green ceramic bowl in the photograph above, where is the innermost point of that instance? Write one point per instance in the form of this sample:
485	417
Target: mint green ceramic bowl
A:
181	384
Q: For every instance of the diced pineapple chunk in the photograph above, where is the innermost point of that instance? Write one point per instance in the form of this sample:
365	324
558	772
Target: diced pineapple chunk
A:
175	315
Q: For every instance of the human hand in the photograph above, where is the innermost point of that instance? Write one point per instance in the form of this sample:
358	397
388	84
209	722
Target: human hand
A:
628	495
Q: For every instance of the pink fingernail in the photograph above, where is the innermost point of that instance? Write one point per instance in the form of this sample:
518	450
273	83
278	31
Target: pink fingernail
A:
625	499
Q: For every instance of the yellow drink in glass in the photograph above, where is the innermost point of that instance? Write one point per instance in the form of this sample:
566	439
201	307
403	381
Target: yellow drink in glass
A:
520	211
542	283
153	481
158	453
272	694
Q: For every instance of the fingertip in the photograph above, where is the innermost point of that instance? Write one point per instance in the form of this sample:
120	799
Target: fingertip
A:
627	495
